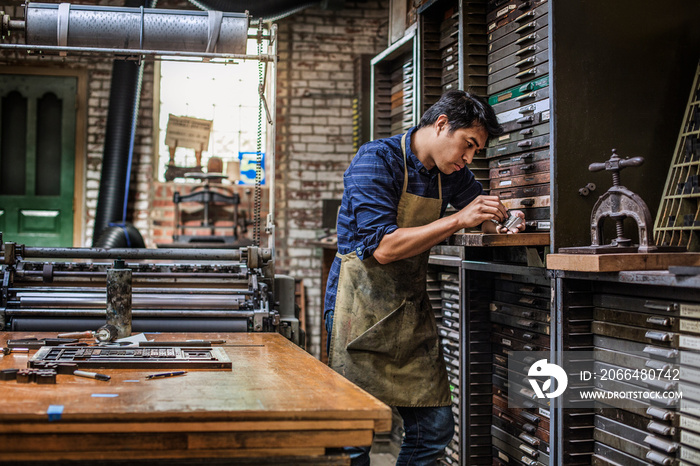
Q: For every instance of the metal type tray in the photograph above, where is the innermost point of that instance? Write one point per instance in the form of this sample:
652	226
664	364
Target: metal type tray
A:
523	111
526	133
642	335
515	41
519	65
520	47
520	181
523	304
519	159
517	54
650	321
100	357
518	22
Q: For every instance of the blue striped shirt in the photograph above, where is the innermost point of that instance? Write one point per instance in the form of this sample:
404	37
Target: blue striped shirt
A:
373	185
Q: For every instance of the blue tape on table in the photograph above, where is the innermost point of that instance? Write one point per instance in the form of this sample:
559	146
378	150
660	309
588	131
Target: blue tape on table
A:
55	412
105	395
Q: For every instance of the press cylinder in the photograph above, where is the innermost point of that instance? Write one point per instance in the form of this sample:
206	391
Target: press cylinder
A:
93	26
119	298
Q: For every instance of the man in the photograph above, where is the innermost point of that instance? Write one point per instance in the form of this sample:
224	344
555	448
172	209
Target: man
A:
383	335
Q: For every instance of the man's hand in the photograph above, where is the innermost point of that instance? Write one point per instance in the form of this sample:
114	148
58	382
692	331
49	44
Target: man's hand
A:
482	210
517	229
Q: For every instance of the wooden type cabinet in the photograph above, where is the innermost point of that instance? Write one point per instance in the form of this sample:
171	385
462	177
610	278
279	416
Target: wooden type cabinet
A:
582	77
643	332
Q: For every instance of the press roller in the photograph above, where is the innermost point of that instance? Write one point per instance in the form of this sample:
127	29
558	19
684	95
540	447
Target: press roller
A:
92	26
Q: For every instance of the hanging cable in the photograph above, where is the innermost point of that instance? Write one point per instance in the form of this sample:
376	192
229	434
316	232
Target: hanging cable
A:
258	161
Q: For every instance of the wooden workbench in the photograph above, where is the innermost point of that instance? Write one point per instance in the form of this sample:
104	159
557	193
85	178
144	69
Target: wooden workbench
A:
278	405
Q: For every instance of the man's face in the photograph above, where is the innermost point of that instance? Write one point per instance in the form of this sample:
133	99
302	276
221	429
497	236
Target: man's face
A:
454	150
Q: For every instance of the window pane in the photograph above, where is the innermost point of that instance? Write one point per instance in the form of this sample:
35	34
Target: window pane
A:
13	149
48	146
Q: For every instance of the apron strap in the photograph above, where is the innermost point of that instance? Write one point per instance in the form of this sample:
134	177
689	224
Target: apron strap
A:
405	169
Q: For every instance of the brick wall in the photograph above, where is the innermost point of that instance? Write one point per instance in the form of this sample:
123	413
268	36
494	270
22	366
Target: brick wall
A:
314	135
162	211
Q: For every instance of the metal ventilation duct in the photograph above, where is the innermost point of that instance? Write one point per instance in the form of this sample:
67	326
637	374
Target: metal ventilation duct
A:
69	25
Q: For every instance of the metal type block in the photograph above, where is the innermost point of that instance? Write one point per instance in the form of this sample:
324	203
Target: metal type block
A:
649	321
526	121
520	181
520	22
641	335
519	77
9	374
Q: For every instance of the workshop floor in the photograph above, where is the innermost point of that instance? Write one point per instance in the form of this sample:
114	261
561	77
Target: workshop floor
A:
382	459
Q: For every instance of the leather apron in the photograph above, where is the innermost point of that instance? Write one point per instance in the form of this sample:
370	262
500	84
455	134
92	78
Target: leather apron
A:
384	336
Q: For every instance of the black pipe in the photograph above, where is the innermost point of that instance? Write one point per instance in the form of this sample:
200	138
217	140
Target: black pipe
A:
123	99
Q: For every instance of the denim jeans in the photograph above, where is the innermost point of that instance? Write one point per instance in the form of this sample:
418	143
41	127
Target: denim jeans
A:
427	431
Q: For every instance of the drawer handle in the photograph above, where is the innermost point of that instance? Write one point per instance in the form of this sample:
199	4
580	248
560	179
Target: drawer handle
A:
524	50
658	458
668	307
529	450
658	336
664	321
661	414
527	38
661	429
526	73
534	441
528	96
661	444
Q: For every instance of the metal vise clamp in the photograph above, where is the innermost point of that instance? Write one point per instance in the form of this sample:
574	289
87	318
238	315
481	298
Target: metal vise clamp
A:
618	203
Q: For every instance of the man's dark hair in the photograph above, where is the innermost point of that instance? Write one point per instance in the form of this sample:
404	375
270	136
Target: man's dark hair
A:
463	110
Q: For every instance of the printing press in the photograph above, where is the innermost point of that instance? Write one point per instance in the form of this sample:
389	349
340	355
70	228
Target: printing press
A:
174	290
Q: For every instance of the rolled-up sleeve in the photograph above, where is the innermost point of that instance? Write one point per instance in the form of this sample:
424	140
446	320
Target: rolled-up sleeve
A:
373	196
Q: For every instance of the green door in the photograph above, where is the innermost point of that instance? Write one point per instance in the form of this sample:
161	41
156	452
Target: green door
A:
37	159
